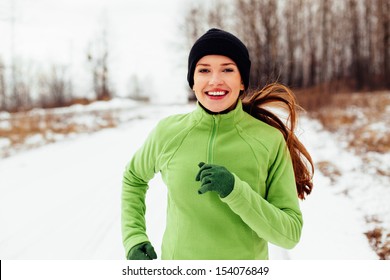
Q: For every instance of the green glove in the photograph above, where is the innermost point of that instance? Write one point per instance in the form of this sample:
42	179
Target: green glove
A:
215	178
142	251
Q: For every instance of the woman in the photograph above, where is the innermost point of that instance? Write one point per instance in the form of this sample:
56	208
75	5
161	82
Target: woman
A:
229	166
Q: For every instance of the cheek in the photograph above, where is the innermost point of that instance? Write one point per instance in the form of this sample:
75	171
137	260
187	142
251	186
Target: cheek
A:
197	90
198	85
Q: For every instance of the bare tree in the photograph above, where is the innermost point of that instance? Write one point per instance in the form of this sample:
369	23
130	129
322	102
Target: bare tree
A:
21	91
249	30
325	40
368	37
193	26
355	45
97	56
384	21
3	91
294	44
318	43
218	14
135	89
268	12
55	88
313	47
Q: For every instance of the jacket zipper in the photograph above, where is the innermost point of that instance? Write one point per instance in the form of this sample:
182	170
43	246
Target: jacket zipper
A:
210	156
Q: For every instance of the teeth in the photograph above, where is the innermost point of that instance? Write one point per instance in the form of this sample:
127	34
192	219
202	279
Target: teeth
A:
216	93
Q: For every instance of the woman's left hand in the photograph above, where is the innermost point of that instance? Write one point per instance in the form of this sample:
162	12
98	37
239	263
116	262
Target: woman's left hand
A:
215	178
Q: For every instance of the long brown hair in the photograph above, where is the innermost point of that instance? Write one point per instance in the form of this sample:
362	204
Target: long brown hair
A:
278	96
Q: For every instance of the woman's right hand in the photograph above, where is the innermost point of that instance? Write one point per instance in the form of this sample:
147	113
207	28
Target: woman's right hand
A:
142	251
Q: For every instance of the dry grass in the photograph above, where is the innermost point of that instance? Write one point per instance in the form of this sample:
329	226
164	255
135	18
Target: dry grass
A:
329	170
49	126
378	239
363	119
379	242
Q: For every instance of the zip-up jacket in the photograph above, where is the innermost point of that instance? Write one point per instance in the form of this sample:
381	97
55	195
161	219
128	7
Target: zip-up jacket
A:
263	206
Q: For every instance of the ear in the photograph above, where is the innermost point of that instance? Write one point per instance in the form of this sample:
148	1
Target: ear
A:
242	87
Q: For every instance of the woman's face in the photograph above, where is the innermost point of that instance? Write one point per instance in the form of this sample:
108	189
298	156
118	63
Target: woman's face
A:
217	83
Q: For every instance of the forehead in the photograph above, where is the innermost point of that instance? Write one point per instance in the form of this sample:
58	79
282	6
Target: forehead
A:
215	59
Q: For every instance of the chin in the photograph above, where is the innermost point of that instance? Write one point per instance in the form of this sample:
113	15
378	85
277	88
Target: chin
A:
215	106
215	109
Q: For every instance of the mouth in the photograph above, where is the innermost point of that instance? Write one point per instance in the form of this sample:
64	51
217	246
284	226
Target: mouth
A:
219	93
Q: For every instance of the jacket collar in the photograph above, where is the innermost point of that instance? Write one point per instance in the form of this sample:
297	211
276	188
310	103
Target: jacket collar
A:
231	117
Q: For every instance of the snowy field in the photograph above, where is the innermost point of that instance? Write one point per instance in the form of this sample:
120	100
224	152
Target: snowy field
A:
61	201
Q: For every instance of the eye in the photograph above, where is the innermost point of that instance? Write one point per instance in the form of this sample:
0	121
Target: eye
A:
228	70
203	70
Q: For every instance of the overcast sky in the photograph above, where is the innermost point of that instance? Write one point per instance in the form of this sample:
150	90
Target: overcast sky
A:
143	35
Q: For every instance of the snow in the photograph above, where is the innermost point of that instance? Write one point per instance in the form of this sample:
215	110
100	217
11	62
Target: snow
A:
333	225
62	201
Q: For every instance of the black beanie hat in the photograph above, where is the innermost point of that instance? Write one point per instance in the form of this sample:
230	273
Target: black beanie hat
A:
219	42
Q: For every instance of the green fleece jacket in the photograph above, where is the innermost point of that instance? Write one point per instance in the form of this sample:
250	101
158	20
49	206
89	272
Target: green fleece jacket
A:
263	206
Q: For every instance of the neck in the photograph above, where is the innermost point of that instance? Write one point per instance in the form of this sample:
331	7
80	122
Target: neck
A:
222	112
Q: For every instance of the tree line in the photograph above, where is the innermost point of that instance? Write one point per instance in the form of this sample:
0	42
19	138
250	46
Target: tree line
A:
23	86
331	45
321	45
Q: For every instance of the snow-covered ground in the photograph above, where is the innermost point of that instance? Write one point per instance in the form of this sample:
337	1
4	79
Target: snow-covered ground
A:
62	200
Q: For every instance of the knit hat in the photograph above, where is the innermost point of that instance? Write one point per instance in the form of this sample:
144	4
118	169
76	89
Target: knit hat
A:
219	42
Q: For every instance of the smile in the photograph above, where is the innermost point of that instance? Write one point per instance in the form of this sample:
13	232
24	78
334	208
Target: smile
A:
216	93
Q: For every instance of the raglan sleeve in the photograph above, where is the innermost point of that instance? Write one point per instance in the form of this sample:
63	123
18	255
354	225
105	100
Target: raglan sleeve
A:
276	217
138	172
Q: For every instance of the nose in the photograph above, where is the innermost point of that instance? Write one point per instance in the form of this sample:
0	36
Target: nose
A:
215	79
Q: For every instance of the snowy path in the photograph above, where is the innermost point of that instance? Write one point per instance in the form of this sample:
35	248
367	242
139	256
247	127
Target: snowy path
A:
62	201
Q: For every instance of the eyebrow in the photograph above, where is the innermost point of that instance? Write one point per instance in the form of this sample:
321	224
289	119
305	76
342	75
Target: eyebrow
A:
223	64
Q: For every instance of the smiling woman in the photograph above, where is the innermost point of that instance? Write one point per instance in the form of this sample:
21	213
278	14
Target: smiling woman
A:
217	83
239	189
